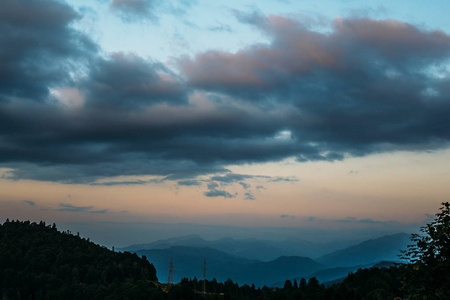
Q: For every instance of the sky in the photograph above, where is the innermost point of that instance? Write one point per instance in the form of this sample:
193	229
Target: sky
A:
136	120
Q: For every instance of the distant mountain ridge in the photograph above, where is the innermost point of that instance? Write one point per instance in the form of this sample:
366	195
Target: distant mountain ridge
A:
386	248
225	259
188	262
192	240
263	250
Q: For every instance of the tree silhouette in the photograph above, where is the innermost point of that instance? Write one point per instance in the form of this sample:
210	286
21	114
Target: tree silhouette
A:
428	274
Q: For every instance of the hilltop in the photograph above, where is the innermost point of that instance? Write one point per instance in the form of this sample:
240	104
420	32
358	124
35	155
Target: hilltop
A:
38	261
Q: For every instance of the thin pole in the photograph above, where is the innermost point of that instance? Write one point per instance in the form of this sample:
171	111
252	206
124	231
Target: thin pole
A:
204	276
170	279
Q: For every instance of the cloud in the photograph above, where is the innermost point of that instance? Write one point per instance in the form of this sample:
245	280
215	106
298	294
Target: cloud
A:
285	179
220	27
129	182
130	10
368	12
102	211
214	192
32	203
218	193
255	18
360	89
287	216
139	10
127	80
189	182
86	209
244	185
38	45
366	86
249	196
213	185
233	177
72	208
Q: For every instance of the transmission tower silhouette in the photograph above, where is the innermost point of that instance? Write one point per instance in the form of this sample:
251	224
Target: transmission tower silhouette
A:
170	279
204	276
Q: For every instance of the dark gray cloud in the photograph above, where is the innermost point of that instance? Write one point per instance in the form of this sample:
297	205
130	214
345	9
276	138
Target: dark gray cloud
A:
189	182
285	179
218	193
84	209
38	47
101	211
138	10
73	208
249	196
29	202
232	177
244	185
129	182
366	86
130	10
83	173
212	185
127	80
240	178
213	191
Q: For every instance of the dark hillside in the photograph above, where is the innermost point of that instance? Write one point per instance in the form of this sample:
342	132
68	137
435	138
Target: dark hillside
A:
39	262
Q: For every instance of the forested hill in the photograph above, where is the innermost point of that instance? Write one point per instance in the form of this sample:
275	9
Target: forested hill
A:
39	262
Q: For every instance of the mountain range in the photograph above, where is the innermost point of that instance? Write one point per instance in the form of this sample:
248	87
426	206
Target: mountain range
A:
188	262
374	250
263	250
230	258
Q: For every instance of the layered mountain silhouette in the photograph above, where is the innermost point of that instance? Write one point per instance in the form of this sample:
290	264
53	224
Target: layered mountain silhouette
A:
386	248
188	262
263	250
230	258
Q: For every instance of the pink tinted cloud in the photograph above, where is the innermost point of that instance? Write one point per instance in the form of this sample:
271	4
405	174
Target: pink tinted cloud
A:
296	51
391	37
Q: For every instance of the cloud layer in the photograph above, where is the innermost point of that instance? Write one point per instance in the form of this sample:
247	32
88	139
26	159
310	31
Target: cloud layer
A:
72	114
